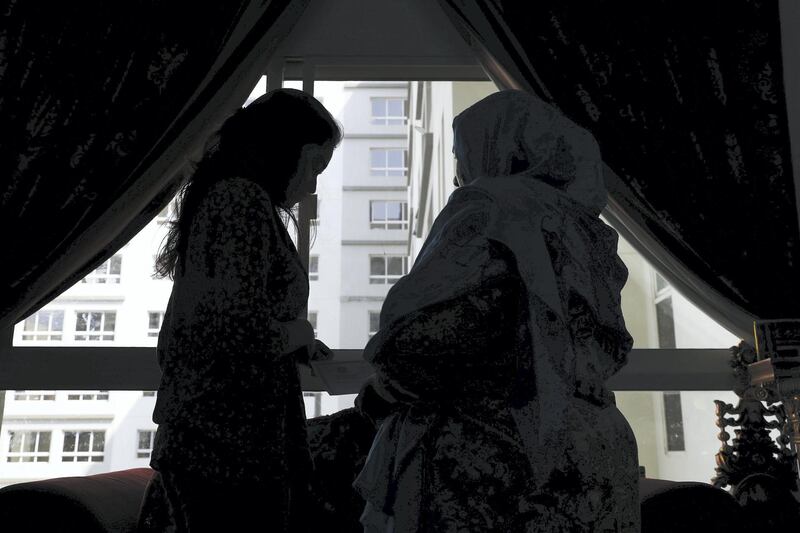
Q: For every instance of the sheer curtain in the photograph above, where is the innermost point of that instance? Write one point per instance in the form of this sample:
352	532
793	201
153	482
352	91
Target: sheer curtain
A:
687	103
101	103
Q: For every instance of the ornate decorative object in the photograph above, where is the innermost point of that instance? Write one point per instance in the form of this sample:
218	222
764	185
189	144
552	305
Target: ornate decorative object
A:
762	472
753	451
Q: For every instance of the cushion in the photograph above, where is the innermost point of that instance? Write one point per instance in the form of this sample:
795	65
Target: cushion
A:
89	504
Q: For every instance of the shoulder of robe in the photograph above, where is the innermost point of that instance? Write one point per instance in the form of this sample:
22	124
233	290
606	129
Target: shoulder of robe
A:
236	195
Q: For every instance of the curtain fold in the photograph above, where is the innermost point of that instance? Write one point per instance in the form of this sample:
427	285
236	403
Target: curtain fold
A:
686	100
102	103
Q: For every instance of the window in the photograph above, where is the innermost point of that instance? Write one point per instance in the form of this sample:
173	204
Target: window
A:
167	214
387	269
99	395
84	446
312	318
108	272
145	443
148	394
95	325
314	410
155	319
388	111
313	268
34	395
374	322
661	283
29	447
388	162
388	215
44	326
673	422
665	323
315	221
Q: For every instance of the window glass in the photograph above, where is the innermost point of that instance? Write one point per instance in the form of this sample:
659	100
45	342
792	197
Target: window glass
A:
144	445
374	322
665	323
673	421
108	272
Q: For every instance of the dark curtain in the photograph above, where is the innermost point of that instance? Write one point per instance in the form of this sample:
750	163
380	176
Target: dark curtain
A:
101	104
686	101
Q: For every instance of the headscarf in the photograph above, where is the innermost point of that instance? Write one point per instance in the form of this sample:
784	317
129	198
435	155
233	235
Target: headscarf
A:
534	183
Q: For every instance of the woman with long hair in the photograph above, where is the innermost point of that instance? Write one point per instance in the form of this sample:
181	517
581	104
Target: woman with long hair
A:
494	350
230	449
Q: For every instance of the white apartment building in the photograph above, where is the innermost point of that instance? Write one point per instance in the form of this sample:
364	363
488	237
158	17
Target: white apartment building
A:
387	181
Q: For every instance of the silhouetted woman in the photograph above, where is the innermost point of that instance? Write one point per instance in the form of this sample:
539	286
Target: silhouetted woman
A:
231	448
493	351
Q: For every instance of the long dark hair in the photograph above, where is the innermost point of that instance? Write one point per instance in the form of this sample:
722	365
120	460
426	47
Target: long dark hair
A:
262	143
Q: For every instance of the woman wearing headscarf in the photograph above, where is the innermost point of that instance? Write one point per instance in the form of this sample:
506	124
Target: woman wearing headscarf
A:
491	361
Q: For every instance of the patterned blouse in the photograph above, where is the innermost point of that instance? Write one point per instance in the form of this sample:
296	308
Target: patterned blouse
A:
229	404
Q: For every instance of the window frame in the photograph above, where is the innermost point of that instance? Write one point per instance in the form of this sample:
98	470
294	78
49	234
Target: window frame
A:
151	332
386	278
371	313
98	366
46	395
37	454
108	277
385	171
76	454
140	452
102	333
313	273
677	444
386	222
386	117
49	333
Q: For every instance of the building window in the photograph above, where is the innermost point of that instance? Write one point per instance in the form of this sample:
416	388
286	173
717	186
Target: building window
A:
388	111
34	395
673	422
167	214
388	162
313	268
388	215
145	443
155	319
315	221
95	325
108	272
148	394
84	446
374	322
95	395
665	323
312	318
387	269
44	326
28	447
316	410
